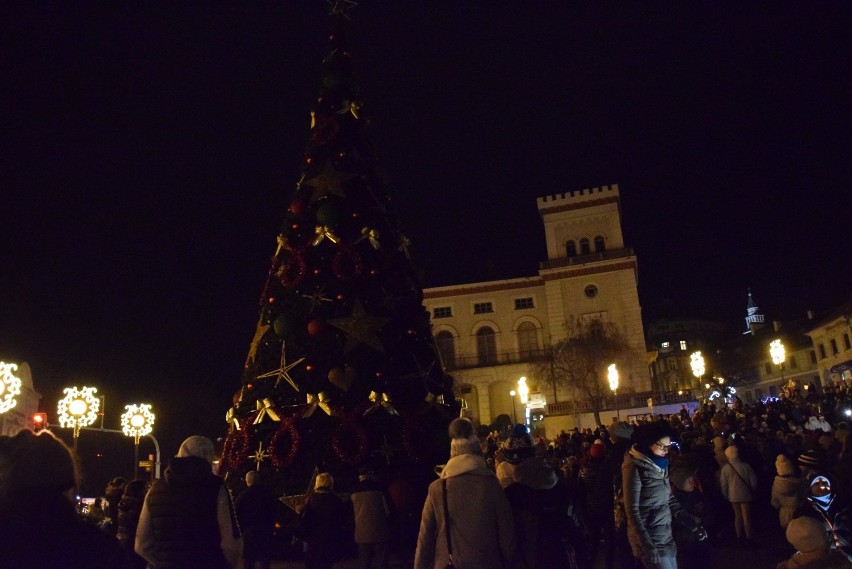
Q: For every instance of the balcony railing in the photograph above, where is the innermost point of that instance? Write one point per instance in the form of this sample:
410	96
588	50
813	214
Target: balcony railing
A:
607	255
625	401
502	358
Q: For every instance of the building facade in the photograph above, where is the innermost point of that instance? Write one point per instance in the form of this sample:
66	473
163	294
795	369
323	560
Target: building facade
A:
832	344
20	415
490	334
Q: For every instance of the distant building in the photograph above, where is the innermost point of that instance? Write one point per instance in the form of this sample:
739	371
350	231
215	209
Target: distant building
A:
832	344
490	333
673	342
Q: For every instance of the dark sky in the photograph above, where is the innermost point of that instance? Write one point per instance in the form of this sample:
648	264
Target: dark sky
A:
149	151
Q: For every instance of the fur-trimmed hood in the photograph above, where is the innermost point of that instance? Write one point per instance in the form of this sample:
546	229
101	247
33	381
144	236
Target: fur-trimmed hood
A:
532	472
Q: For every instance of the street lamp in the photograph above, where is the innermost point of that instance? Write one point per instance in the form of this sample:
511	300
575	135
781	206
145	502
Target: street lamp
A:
778	355
137	421
514	417
524	392
612	376
696	361
78	409
10	386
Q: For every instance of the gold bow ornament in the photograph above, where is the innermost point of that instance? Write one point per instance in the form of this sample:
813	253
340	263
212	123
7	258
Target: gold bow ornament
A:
381	401
320	400
324	232
265	408
232	420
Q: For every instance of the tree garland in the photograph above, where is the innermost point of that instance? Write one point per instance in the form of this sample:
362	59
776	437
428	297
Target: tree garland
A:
287	429
350	427
347	264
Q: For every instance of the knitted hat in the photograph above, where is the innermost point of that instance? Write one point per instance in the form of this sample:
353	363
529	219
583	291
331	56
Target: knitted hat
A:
811	459
807	535
732	452
40	462
597	450
784	466
519	445
197	446
620	430
464	440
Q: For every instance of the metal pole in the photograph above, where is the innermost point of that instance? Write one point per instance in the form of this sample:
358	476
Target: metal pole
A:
617	412
154	439
136	459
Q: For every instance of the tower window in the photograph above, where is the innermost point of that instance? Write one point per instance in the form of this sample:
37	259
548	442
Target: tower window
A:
834	349
599	244
822	355
846	341
683	344
584	246
591	291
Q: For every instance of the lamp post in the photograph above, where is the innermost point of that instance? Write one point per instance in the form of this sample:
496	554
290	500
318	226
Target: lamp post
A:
696	361
524	392
78	409
137	421
778	355
514	417
612	376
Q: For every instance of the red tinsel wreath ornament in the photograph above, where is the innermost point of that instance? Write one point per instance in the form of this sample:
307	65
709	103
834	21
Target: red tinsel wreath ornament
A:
349	427
286	430
293	270
236	448
347	264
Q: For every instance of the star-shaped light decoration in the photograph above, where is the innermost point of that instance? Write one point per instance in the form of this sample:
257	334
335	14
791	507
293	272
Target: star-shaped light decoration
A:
317	298
340	7
420	373
258	336
405	246
360	328
329	182
297	501
283	371
386	450
260	455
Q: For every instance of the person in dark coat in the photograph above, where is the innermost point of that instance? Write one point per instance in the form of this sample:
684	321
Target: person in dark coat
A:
596	488
188	519
114	492
39	526
324	525
619	551
539	501
257	512
649	502
372	526
127	519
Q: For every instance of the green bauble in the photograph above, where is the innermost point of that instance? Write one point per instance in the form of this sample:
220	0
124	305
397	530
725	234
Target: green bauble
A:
329	214
285	325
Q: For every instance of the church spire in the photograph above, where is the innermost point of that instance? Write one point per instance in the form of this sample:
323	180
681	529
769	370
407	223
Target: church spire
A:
753	319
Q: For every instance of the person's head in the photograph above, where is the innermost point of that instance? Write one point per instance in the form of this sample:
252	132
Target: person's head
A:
197	446
519	446
251	477
597	450
784	466
807	535
619	430
810	463
732	453
463	439
365	473
654	438
37	463
324	481
136	489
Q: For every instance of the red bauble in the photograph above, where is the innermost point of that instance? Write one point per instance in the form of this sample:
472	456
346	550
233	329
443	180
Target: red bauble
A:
403	496
297	206
316	327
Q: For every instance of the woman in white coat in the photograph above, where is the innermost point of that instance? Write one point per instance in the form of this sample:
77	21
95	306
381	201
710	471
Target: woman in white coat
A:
738	482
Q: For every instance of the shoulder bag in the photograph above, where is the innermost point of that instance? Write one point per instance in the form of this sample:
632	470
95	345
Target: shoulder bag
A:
451	563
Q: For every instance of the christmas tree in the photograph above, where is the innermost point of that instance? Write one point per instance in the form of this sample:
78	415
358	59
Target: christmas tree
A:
343	370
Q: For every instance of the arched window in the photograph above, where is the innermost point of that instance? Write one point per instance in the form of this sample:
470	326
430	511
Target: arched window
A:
486	346
571	248
527	340
446	344
596	329
584	246
599	243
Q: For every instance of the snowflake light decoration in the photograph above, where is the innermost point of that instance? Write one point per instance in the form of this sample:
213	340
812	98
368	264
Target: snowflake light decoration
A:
137	421
10	385
79	408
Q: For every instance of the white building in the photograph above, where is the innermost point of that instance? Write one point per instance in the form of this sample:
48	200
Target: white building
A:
488	333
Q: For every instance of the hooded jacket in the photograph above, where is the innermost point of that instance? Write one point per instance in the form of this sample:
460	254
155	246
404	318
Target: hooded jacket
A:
481	524
787	495
650	506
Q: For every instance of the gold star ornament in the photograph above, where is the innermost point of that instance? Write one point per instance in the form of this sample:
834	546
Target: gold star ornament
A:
360	328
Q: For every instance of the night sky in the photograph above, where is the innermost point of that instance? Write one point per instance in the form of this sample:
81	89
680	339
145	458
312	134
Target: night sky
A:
149	151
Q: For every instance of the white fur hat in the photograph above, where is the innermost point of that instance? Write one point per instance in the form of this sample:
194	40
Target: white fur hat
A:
464	439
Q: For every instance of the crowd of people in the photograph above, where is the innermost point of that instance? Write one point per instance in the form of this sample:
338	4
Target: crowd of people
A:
658	493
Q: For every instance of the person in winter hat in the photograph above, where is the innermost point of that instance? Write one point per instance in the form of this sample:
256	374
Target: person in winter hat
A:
808	536
649	502
787	489
738	482
539	499
481	527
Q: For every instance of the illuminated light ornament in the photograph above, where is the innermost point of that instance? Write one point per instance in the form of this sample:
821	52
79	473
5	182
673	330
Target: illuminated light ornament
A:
79	408
137	421
697	364
10	386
